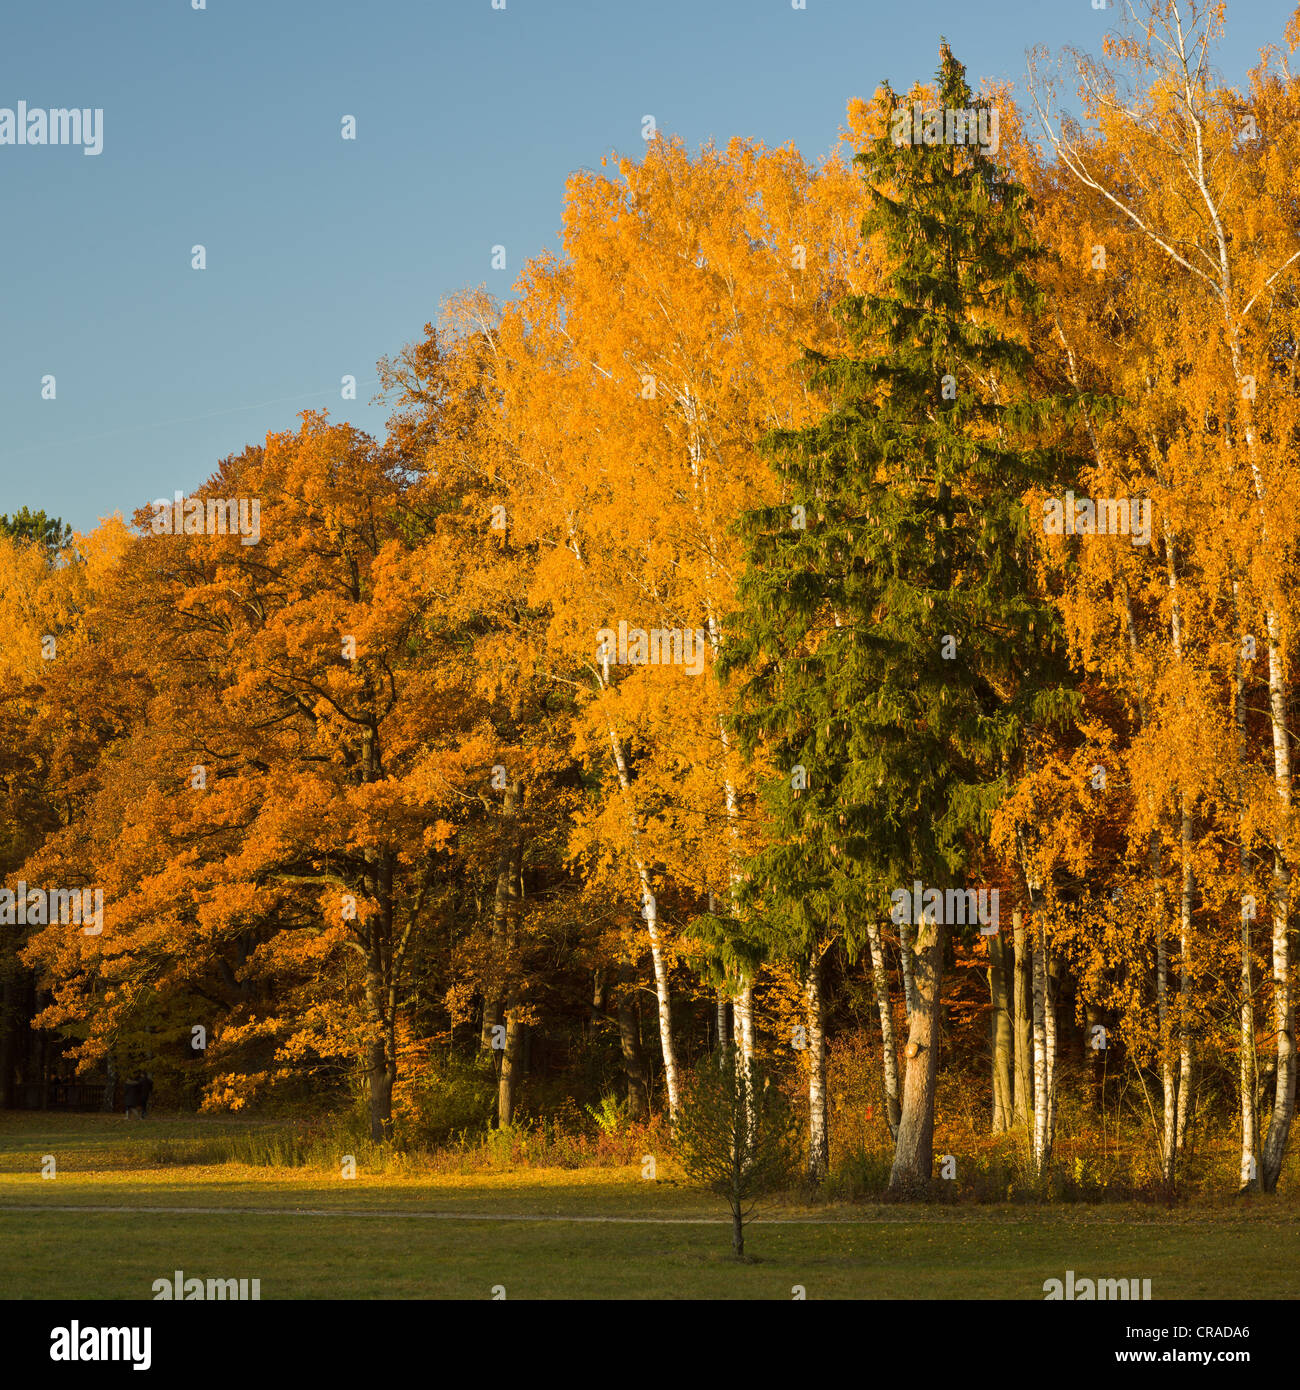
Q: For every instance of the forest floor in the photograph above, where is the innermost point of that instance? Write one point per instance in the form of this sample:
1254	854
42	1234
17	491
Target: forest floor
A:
127	1206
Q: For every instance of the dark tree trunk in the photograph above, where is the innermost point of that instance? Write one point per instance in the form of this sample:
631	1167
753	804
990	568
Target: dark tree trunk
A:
493	1013
629	1037
494	1003
381	1002
381	1074
1001	1034
8	1034
1094	1019
110	1089
511	1065
1023	1104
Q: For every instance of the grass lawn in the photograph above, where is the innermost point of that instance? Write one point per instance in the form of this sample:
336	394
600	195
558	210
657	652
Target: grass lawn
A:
309	1233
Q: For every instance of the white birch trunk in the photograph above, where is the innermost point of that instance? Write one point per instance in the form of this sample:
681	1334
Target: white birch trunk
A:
1246	1040
888	1047
1040	1055
1183	1092
1049	1046
742	1012
651	913
905	942
819	1139
1184	997
1168	1076
648	905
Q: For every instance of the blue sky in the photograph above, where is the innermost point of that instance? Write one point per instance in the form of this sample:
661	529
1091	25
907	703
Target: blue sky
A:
222	128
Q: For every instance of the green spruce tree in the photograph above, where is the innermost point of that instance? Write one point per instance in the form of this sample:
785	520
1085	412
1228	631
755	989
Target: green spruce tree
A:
892	649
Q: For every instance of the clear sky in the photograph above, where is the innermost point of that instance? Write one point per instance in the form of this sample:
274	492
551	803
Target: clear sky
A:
221	127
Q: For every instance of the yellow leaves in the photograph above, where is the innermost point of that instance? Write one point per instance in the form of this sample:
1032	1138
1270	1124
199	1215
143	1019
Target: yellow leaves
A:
40	599
631	510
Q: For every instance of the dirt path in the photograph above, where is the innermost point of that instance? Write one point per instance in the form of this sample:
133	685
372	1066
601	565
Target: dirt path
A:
445	1215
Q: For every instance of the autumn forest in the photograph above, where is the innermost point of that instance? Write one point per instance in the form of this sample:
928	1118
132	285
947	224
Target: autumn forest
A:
832	625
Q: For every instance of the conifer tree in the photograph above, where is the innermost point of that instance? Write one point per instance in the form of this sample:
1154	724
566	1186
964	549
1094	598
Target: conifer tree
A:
893	650
52	533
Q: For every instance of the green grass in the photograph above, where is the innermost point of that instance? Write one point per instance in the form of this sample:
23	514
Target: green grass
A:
385	1235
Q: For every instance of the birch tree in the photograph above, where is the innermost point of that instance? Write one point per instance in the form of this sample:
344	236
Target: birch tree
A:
1195	171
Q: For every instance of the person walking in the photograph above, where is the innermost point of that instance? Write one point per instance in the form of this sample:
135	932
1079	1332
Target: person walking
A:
132	1098
146	1090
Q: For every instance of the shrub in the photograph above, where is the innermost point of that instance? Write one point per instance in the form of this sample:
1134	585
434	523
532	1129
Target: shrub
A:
736	1136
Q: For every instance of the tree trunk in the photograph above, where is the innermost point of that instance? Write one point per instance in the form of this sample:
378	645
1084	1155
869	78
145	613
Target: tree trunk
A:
650	912
819	1138
906	944
1096	1056
1040	1060
43	1056
1044	1053
1279	1124
501	1031
914	1152
493	1016
629	1037
1051	981
1184	983
381	1052
1183	1089
598	1002
723	1021
1001	1038
1246	1063
502	903
662	996
1246	1076
8	1032
1023	1103
1168	1075
888	1047
742	1012
511	1065
110	1089
742	1005
381	1074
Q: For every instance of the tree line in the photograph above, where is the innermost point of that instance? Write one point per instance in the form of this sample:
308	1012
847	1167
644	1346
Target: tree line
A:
806	544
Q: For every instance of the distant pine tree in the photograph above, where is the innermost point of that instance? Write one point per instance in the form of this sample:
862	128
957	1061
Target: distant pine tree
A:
25	525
